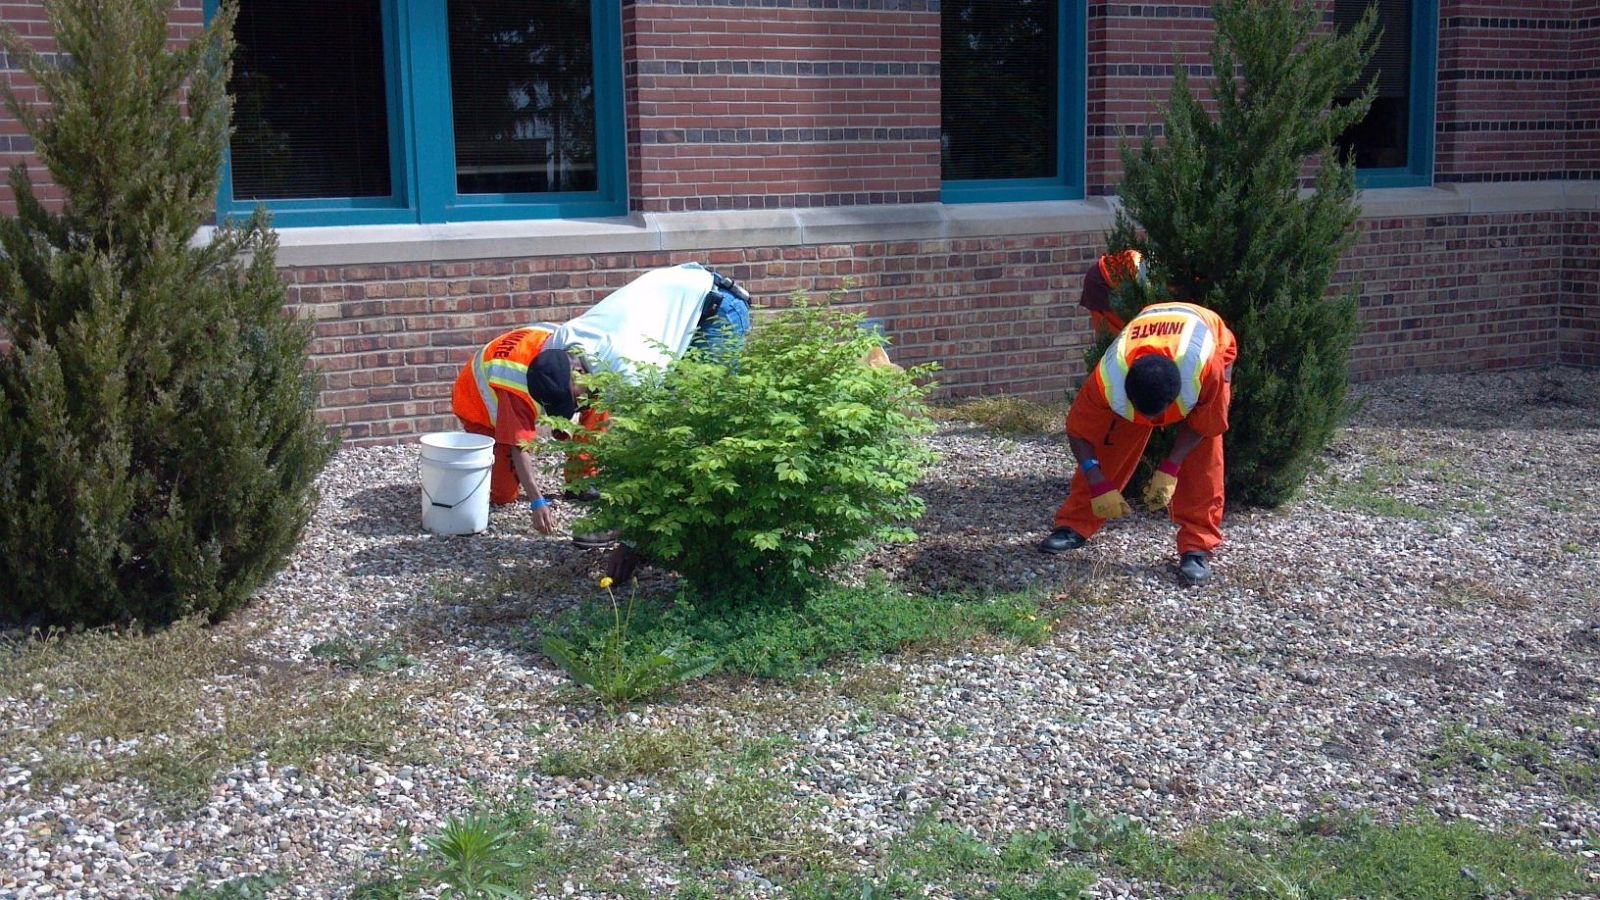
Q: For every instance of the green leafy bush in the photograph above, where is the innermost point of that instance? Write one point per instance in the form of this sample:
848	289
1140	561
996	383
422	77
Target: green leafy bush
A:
753	479
157	433
1216	208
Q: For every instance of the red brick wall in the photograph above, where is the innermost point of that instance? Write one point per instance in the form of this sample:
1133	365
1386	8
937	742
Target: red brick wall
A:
741	104
1579	312
1453	293
1131	53
1504	75
1583	93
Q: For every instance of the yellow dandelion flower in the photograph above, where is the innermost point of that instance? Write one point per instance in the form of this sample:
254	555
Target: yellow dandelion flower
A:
605	581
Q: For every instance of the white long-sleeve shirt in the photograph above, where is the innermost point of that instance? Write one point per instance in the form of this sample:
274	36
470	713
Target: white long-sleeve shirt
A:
640	322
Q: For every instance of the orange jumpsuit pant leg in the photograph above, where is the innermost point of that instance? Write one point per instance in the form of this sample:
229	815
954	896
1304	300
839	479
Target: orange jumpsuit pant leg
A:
581	465
1197	503
1118	444
503	485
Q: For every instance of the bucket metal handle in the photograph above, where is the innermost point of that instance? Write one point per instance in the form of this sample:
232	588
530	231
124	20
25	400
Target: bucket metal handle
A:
474	490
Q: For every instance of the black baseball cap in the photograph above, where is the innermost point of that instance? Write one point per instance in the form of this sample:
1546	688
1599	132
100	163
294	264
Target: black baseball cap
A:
550	383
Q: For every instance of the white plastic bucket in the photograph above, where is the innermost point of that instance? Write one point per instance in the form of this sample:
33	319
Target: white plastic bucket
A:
455	482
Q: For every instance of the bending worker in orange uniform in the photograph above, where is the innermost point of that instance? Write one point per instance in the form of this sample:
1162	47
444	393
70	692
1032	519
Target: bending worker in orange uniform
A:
492	398
1170	365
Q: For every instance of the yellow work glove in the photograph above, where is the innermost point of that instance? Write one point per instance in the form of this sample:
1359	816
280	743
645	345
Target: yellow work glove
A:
1107	503
1158	491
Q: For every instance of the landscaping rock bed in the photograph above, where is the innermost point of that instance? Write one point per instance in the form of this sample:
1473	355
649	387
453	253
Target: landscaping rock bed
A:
1434	594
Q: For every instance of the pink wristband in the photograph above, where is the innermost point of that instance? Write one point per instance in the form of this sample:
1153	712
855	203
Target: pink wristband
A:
1104	487
1169	467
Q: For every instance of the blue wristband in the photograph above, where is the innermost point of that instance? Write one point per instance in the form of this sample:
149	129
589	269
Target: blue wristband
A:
539	503
1090	464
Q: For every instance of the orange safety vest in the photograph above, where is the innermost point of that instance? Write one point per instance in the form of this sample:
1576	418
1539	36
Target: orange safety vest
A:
503	364
1187	334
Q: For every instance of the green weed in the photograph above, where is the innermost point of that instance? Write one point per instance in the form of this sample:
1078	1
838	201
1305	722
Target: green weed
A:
1537	754
945	857
621	667
476	857
784	641
743	814
632	753
369	658
1345	857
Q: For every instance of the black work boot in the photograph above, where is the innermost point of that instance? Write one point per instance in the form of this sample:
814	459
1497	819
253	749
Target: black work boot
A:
1195	568
587	495
1061	540
598	540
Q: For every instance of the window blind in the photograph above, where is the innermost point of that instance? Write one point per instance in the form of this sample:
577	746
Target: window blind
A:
1000	107
311	117
522	93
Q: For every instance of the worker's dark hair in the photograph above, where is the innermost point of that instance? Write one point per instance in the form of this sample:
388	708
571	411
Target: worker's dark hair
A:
1152	384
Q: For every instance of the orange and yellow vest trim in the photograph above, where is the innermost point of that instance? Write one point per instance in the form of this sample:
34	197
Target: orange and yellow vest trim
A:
1182	332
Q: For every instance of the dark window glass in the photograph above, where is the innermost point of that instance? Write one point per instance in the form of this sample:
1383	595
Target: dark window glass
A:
522	87
1381	139
311	117
1000	111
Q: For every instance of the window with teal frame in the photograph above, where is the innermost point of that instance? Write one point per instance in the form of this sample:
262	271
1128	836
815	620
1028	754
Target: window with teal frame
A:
1393	145
364	112
1012	82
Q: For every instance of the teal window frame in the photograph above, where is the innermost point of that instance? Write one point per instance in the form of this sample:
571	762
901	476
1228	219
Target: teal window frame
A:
422	167
1072	84
1418	170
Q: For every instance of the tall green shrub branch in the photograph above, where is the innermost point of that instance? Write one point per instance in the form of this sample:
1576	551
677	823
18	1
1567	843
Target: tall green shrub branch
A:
1218	208
157	434
753	480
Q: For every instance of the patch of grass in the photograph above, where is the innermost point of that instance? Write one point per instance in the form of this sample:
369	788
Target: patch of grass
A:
363	657
608	752
1369	491
505	850
786	640
1423	859
250	887
1007	415
744	814
1372	490
875	687
951	861
173	708
1568	759
1470	593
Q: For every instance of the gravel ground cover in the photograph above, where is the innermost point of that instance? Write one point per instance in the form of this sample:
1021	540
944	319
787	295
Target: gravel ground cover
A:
1421	632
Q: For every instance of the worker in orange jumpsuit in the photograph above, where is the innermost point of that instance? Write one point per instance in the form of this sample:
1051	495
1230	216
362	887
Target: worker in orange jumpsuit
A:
1170	365
1105	275
493	396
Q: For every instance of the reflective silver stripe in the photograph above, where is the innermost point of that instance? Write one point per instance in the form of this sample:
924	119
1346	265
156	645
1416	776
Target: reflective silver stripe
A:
1196	349
480	374
1114	378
